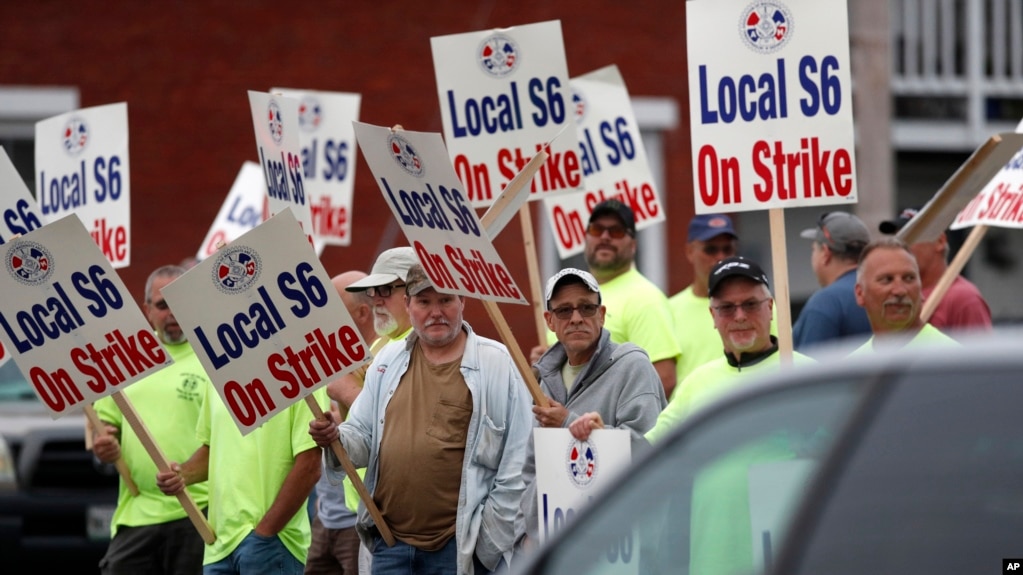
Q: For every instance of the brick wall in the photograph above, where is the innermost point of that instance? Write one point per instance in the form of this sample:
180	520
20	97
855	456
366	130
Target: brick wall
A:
184	69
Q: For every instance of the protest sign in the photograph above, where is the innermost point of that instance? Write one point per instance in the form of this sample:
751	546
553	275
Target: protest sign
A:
771	115
266	322
423	192
426	198
73	328
241	211
613	161
328	159
76	333
569	472
82	168
504	95
20	212
996	169
770	104
275	121
1000	202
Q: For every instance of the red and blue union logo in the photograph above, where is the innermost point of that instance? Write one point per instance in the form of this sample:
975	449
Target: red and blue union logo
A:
236	269
766	26
498	55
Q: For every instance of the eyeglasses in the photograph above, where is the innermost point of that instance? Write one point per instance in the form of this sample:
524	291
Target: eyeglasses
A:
585	310
748	307
616	232
713	250
383	291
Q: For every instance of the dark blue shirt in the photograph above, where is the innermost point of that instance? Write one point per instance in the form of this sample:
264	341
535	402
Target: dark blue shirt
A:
831	314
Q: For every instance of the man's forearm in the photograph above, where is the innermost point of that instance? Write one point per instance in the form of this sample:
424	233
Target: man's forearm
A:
197	468
293	493
345	389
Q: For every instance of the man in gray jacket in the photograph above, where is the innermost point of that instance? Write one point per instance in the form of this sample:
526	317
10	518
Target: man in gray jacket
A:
586	372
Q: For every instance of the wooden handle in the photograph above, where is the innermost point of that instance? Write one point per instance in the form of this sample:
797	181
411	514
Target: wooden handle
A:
120	464
952	272
525	218
780	265
513	347
132	416
360	487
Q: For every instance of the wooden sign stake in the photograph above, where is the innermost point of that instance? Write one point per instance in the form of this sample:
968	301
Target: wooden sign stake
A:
132	416
780	266
952	272
350	471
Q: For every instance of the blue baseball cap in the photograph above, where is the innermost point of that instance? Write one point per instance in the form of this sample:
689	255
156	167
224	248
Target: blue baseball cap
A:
706	226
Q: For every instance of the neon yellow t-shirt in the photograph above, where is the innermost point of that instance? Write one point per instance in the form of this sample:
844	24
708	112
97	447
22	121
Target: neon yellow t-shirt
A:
168	402
927	336
705	384
246	473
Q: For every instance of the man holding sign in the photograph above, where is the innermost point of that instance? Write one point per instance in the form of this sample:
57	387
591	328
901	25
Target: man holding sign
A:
150	533
441	426
586	371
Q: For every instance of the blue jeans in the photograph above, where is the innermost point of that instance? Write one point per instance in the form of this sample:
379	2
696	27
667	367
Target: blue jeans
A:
257	555
403	558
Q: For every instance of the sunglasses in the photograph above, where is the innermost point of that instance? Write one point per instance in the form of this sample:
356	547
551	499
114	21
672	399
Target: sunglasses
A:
585	310
383	291
713	250
616	232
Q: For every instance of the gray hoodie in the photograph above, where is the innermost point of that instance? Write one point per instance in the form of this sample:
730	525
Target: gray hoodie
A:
619	383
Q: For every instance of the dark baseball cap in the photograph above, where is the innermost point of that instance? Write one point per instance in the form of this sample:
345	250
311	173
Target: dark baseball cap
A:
841	231
616	208
706	226
892	226
735	266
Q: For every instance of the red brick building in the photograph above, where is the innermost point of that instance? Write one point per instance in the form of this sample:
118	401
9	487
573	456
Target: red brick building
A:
184	69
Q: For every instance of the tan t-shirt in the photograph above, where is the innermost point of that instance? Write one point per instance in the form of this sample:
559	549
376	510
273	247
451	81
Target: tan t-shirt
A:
421	453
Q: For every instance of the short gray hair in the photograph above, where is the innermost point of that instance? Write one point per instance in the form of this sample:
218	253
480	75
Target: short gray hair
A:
168	271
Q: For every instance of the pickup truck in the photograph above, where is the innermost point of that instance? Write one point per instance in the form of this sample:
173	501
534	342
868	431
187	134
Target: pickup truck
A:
55	503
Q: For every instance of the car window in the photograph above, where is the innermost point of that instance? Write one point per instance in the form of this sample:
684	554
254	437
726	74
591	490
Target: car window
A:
711	500
13	386
933	485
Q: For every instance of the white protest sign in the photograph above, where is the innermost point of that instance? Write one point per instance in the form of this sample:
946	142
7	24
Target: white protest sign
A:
569	471
423	192
613	160
20	212
241	211
770	104
503	95
328	159
275	121
1000	202
82	168
67	318
266	322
